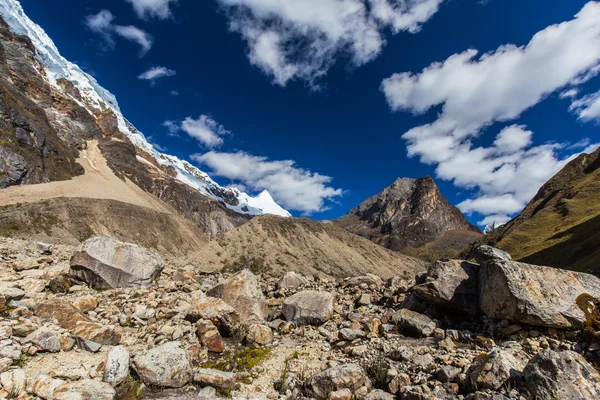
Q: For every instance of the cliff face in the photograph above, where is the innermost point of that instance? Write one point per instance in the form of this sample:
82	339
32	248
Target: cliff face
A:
560	227
408	215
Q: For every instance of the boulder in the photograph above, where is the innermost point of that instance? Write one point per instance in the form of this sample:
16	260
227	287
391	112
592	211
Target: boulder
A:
452	285
86	303
116	368
166	366
216	310
308	307
554	375
209	336
242	291
106	335
215	378
259	334
10	292
485	253
14	381
87	345
45	386
493	370
44	339
292	280
347	376
534	295
350	334
378	394
66	314
413	324
106	263
83	390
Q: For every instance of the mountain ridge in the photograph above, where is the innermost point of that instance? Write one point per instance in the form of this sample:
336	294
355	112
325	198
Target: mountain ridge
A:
84	90
407	215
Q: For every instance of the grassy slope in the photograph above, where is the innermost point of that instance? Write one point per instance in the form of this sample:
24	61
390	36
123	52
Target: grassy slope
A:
561	226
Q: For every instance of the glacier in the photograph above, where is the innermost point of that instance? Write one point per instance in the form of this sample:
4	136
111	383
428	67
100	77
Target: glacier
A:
57	67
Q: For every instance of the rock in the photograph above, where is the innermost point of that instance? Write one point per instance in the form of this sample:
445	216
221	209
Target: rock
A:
209	336
14	381
485	253
452	285
347	376
493	370
554	375
308	307
60	284
292	280
413	323
215	378
216	310
207	393
66	315
10	293
534	295
350	334
259	334
86	303
5	364
45	339
344	394
106	263
3	303
379	395
242	292
364	299
85	389
45	386
43	248
102	334
167	365
87	345
116	368
448	373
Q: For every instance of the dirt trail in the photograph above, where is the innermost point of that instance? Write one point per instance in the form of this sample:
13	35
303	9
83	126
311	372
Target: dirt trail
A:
98	182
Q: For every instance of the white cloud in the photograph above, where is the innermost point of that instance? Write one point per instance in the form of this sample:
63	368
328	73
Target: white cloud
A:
587	108
293	187
174	93
204	129
152	8
476	92
102	24
291	39
155	73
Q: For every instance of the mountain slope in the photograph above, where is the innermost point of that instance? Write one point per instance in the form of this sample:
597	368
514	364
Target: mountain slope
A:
407	216
79	109
277	245
560	227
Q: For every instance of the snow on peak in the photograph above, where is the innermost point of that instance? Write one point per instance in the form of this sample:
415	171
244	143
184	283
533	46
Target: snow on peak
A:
98	98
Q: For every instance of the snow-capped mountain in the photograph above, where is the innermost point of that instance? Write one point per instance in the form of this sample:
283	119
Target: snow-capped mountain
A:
96	99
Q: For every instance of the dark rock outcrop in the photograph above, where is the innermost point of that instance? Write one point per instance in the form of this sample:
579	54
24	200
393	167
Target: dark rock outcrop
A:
408	215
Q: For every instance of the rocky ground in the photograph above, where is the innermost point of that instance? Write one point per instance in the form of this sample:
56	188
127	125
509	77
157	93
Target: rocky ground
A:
109	320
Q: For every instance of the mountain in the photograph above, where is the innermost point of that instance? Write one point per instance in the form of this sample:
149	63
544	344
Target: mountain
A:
52	112
276	245
560	227
412	216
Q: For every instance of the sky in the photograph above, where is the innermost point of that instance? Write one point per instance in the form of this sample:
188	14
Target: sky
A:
326	102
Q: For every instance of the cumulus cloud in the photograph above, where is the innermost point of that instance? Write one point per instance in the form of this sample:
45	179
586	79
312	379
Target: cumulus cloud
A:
476	92
291	39
204	129
102	24
155	73
146	9
292	187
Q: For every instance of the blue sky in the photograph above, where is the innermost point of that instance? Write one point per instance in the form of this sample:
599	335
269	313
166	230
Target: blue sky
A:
261	81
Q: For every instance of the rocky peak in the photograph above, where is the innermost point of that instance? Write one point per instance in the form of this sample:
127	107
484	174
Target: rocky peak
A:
410	212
